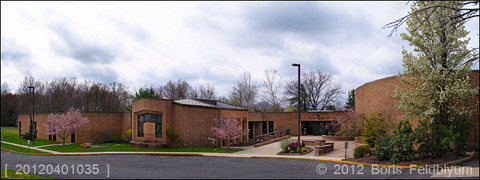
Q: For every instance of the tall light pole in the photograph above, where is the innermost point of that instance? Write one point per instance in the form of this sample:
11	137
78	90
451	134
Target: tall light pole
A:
298	104
33	115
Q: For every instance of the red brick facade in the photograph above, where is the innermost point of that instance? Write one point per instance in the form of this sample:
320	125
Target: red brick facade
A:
375	97
103	127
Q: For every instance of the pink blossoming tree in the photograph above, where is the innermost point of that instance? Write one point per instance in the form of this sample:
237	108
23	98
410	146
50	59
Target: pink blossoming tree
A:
63	125
227	129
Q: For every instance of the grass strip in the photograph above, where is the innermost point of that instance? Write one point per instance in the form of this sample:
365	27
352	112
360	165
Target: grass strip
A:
9	131
21	141
21	149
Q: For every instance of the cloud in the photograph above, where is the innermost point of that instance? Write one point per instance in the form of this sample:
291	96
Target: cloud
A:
150	43
76	47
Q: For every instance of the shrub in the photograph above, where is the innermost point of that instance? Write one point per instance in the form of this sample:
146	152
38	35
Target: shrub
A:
127	135
172	135
293	146
360	151
382	150
398	147
460	134
284	145
303	144
303	149
28	135
375	128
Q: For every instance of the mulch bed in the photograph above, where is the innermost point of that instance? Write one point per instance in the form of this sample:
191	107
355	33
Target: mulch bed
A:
449	157
297	154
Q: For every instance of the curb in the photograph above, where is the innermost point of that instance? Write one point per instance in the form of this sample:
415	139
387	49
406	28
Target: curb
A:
338	161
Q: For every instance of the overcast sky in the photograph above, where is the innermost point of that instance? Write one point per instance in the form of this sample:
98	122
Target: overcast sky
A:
149	43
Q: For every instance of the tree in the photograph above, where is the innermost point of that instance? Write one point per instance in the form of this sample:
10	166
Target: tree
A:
349	125
63	125
244	92
464	11
227	129
177	90
145	93
204	92
317	91
8	106
272	86
436	78
350	104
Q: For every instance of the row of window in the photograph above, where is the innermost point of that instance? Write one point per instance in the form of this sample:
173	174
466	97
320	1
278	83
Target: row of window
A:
154	118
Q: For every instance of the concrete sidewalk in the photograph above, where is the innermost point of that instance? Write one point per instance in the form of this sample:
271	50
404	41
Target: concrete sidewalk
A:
272	149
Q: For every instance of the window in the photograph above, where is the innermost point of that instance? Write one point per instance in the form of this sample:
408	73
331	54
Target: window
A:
72	138
140	125
270	126
19	128
153	118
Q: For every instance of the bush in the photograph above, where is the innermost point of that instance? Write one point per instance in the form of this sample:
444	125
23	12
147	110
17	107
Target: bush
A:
172	135
284	145
398	147
127	135
383	149
28	135
303	144
375	128
360	151
294	146
303	149
460	134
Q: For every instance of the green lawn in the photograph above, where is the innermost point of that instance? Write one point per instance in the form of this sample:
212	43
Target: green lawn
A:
115	147
19	140
11	174
22	150
9	131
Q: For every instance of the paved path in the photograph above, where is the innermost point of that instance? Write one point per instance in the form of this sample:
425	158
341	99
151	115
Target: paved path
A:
273	148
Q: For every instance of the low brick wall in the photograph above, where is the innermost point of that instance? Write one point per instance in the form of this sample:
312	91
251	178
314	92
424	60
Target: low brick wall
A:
338	138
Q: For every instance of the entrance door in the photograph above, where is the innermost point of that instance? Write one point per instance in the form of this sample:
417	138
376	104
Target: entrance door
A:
315	128
73	138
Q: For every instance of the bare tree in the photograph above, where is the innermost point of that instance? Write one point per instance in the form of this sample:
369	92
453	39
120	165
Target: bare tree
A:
244	93
177	90
317	92
61	94
468	10
466	13
271	91
204	92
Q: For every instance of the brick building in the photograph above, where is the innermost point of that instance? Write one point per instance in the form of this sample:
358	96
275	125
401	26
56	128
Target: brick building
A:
375	97
193	118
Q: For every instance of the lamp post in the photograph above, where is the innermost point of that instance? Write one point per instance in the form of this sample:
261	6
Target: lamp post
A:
298	104
33	114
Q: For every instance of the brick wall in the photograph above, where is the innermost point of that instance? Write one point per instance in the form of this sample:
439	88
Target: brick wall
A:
375	97
193	124
103	127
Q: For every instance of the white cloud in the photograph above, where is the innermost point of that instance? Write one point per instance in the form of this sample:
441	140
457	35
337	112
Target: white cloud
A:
149	43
